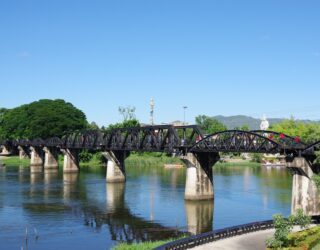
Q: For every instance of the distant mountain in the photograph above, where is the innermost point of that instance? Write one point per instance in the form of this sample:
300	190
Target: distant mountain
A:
254	123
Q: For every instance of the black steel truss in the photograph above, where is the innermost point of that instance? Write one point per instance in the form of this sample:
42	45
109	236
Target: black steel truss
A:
237	141
174	139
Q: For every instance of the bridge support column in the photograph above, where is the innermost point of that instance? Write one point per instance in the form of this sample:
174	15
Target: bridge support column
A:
5	150
36	156
199	183
115	167
71	161
51	158
23	154
305	195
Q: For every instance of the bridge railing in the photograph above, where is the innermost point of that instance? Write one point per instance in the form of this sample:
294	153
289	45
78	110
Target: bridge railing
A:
204	238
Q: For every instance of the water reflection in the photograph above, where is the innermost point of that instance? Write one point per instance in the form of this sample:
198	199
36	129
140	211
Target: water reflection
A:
70	186
199	216
115	196
149	206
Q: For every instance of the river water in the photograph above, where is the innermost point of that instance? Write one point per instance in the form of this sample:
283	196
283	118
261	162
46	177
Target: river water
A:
52	210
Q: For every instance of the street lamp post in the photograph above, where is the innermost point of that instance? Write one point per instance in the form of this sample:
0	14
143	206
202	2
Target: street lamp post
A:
184	114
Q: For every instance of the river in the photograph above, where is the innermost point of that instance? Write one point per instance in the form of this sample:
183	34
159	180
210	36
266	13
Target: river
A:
52	210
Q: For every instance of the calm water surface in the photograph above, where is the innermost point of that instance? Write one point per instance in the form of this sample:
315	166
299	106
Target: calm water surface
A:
81	211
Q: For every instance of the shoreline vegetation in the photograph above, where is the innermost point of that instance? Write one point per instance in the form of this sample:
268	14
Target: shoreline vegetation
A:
141	159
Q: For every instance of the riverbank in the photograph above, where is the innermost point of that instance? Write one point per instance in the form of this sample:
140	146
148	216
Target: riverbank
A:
134	159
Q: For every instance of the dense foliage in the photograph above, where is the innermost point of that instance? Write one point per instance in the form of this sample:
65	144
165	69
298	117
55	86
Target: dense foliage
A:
283	227
41	119
308	132
209	125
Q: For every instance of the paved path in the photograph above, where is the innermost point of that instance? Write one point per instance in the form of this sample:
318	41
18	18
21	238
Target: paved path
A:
250	241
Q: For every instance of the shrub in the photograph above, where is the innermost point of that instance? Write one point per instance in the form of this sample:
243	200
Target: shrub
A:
85	156
283	228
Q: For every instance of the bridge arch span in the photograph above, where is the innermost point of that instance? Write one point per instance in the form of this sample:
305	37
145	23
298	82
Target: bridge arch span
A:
237	141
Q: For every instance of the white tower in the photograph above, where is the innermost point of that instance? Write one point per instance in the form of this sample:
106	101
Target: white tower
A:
151	111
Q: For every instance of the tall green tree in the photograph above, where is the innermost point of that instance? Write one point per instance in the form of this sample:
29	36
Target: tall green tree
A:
42	119
129	120
209	125
308	132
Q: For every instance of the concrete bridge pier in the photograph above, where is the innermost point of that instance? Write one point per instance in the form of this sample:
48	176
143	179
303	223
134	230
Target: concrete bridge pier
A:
51	158
116	171
305	195
23	153
71	160
199	182
36	156
5	150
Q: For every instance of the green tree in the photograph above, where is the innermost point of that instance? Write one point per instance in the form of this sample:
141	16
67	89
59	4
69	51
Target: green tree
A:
308	132
209	125
42	119
129	120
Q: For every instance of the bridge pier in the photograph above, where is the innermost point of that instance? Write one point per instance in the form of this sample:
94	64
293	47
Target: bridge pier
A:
305	195
116	171
36	156
199	182
71	160
5	150
51	158
23	153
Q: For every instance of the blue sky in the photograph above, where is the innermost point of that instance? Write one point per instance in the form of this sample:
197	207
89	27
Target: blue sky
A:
216	57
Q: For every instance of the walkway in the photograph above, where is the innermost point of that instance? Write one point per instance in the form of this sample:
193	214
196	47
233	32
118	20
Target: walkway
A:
250	241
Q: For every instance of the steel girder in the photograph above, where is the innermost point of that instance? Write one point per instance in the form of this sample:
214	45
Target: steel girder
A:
236	141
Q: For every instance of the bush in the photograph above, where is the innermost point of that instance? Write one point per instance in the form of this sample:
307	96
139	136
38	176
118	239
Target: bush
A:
256	157
85	156
316	180
283	228
302	220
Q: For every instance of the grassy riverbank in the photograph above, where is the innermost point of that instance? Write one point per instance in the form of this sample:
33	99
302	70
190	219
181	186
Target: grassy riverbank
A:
135	159
238	163
140	246
15	161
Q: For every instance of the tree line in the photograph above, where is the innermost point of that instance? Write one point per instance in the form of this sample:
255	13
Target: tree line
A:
47	118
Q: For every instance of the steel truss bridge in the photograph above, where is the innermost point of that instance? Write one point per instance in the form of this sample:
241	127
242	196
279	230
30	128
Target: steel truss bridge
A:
175	140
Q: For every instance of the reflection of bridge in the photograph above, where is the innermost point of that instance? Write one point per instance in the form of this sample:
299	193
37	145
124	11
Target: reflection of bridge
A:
199	152
122	223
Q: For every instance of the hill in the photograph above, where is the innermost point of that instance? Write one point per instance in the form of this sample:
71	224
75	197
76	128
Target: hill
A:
254	123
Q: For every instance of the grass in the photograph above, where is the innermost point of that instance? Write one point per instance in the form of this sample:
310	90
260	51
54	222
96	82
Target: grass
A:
241	163
144	245
135	159
140	246
15	161
151	160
